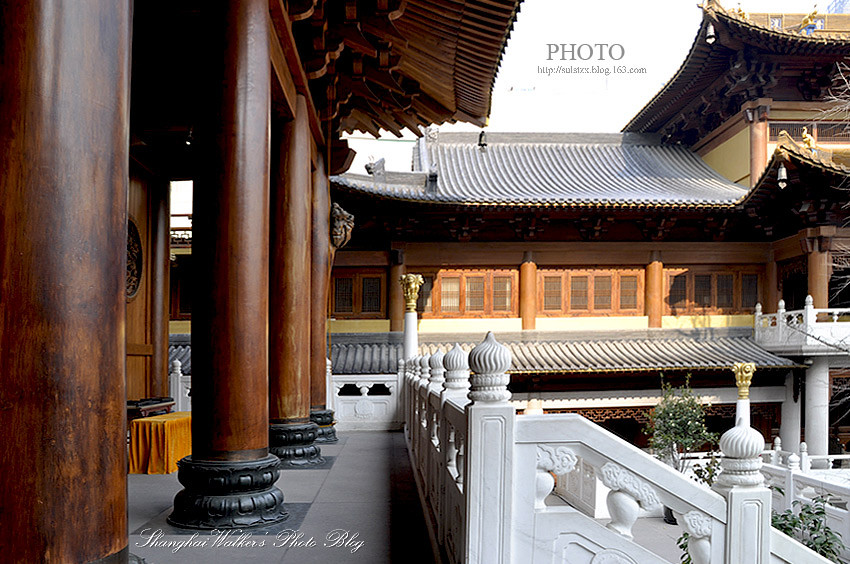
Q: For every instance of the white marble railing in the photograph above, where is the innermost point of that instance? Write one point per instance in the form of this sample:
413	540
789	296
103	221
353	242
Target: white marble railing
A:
487	477
792	478
180	387
805	330
367	402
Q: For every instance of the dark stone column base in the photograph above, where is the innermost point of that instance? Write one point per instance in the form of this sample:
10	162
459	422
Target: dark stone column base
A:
324	418
228	494
295	443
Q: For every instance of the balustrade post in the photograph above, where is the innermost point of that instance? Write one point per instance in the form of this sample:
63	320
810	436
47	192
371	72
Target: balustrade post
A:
742	484
780	320
758	330
489	464
410	284
809	317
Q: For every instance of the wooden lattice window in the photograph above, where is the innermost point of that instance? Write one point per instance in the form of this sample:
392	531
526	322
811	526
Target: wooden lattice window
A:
371	292
424	301
358	293
578	292
702	290
726	290
602	292
628	292
344	295
588	292
474	293
749	290
552	293
678	296
450	294
502	295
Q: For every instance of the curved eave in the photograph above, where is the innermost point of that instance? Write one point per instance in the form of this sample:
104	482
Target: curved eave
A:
799	156
727	27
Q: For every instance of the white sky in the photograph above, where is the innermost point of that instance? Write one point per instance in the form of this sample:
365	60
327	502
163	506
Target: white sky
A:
655	35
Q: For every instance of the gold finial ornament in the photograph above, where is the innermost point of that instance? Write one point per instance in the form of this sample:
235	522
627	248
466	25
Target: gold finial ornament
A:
410	284
808	140
743	377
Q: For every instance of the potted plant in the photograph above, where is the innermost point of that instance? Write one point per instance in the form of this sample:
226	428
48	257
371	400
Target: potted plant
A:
677	428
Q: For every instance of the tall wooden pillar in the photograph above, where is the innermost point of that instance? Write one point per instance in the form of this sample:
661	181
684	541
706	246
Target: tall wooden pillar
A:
758	145
64	173
528	292
159	277
396	298
654	289
229	478
292	434
771	286
320	277
818	264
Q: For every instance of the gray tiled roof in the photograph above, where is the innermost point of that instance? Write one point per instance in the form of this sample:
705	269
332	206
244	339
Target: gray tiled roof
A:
551	169
633	355
180	348
374	358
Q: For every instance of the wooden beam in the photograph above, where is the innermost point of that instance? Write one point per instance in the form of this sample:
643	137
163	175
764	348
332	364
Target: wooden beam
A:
281	69
282	26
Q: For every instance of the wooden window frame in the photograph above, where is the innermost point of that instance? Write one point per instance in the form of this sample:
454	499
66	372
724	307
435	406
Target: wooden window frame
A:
357	276
464	273
566	275
714	271
178	282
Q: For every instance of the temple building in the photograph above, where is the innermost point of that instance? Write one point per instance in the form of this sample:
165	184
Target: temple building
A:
604	261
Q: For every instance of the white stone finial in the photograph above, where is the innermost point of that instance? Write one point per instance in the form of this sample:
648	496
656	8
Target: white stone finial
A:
424	368
810	301
804	448
758	309
176	367
489	362
437	370
741	447
457	369
793	461
781	305
777	443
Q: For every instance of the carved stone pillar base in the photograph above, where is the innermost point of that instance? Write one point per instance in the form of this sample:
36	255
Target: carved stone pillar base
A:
227	494
324	418
295	443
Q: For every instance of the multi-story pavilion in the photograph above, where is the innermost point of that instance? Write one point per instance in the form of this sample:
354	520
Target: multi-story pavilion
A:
102	104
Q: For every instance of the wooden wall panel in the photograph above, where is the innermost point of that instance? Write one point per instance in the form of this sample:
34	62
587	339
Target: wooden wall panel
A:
139	307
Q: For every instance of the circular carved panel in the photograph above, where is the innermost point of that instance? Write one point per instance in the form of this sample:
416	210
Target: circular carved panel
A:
134	259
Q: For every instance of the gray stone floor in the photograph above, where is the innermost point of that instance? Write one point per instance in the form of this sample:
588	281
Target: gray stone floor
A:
363	508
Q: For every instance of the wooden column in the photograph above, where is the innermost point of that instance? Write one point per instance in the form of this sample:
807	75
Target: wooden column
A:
64	170
160	279
528	292
292	434
654	289
819	272
758	146
396	297
230	475
320	277
771	286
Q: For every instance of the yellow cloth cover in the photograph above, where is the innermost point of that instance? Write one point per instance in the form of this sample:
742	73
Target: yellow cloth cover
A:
158	442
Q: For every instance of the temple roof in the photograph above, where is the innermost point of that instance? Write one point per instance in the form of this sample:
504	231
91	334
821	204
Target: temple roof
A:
561	353
550	170
733	60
